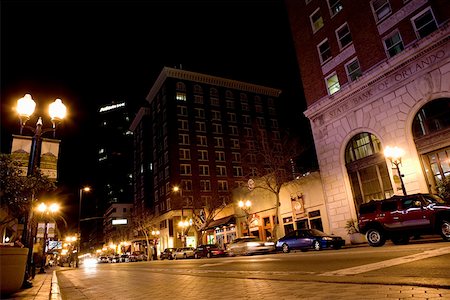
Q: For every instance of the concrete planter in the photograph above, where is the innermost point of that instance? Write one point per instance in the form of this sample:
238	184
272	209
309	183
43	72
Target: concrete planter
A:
12	265
357	238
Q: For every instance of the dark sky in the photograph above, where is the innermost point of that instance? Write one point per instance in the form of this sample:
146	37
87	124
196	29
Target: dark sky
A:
94	52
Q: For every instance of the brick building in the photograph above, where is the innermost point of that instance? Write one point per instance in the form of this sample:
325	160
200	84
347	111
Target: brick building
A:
375	74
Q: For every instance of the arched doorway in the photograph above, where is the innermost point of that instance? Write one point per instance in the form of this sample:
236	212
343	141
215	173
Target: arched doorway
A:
367	170
431	132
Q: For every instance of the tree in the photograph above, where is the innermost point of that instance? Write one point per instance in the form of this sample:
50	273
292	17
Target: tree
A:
144	224
272	164
17	191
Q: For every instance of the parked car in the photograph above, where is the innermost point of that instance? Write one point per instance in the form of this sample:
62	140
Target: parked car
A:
114	258
209	250
138	256
124	258
184	252
102	259
249	245
167	253
304	239
401	217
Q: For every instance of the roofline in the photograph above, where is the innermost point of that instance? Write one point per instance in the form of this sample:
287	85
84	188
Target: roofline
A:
208	79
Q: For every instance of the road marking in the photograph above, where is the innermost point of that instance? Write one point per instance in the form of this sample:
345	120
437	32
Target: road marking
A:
388	263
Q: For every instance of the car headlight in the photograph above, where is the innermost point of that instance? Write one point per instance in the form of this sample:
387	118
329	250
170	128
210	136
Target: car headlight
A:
326	238
269	243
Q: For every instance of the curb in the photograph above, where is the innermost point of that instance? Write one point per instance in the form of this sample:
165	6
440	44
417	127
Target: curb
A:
55	293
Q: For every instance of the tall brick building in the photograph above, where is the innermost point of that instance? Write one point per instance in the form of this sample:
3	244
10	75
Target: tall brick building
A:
375	74
194	136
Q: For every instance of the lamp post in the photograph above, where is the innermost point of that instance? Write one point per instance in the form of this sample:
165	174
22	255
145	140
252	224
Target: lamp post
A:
46	210
155	234
25	109
84	189
394	154
245	206
184	225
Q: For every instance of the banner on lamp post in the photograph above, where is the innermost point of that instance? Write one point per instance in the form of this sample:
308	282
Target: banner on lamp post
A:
40	230
51	230
20	151
49	158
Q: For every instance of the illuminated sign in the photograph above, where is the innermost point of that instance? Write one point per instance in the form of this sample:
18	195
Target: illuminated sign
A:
112	106
120	222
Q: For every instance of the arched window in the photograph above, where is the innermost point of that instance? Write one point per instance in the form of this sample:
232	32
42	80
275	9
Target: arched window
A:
431	130
181	87
213	92
198	89
229	94
366	168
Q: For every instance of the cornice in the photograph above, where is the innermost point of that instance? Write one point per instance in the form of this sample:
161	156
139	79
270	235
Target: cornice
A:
211	80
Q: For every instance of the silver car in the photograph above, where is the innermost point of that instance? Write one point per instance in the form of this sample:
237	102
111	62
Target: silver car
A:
184	252
249	245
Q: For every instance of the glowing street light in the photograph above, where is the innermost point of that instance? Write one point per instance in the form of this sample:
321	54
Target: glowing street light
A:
46	210
394	154
85	189
245	206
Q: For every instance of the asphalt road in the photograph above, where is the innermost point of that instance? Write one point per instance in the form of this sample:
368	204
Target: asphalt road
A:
420	268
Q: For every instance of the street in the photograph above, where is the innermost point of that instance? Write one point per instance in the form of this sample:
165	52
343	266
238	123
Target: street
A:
420	269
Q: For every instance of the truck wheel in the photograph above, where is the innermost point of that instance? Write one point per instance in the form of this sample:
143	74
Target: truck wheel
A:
444	230
375	237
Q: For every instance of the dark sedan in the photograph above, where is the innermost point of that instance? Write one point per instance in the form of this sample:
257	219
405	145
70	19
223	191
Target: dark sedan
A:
209	250
304	239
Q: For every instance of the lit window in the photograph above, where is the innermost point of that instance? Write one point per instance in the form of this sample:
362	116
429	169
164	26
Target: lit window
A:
333	84
381	9
324	51
181	96
316	20
343	36
424	23
393	44
353	70
335	6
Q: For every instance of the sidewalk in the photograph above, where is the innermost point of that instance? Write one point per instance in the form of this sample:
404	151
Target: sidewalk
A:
45	287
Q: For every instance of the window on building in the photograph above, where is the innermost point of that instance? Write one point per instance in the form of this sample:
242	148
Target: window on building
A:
230	104
381	9
229	94
183	139
185	154
243	97
324	51
424	23
221	171
231	117
248	132
217	128
258	108
274	123
205	185
181	96
251	158
236	156
367	169
234	130
201	140
246	119
202	155
235	143
198	89
198	99
393	44
215	115
237	171
203	170
222	185
185	169
335	6
245	106
200	113
220	155
343	36
260	121
332	83
251	145
200	126
181	87
316	20
257	99
353	70
218	142
213	92
182	110
215	101
183	124
186	185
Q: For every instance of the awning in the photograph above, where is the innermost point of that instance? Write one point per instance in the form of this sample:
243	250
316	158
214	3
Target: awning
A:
221	222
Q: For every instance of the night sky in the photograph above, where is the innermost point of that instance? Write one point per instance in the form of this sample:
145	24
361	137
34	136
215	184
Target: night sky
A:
90	53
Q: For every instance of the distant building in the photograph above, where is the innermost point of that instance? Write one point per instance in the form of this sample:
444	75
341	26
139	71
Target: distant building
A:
194	136
117	226
375	74
113	182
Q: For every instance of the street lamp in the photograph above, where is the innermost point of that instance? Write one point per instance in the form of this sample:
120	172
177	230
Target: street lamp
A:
245	206
84	189
394	154
184	225
45	209
25	108
155	234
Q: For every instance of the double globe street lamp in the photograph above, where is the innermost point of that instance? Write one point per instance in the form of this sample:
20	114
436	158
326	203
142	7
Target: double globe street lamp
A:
245	206
46	211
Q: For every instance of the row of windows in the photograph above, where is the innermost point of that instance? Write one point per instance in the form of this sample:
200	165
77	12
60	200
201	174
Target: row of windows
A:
214	93
185	154
186	169
424	23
